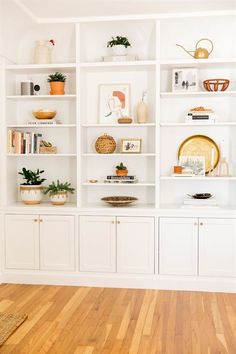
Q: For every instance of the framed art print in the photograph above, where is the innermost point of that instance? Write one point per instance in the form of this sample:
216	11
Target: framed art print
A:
131	146
114	102
184	79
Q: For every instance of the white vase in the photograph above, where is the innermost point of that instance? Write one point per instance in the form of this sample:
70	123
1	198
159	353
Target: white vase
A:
59	198
42	53
119	50
31	194
142	112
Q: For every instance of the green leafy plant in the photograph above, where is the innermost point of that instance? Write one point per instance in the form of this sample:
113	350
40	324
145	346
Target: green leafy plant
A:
56	77
121	167
119	40
54	188
32	178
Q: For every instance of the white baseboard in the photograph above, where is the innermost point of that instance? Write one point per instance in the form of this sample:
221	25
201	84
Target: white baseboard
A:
123	281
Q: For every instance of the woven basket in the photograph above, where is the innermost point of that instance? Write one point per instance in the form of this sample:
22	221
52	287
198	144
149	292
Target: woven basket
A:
216	84
105	144
48	150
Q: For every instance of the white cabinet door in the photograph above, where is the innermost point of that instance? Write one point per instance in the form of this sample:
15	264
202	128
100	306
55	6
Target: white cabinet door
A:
22	241
57	242
135	245
217	247
178	246
98	243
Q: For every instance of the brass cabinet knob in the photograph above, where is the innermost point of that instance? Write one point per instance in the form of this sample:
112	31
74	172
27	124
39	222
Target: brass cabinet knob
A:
195	224
118	222
40	220
201	223
35	220
113	222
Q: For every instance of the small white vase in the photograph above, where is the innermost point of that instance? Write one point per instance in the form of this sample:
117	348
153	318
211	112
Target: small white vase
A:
119	50
31	194
42	53
59	198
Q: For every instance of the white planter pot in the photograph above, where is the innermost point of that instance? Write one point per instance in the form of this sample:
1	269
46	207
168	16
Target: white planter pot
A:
119	50
59	199
31	194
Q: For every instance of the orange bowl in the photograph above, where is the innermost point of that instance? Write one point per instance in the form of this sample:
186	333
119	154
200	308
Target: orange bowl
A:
41	114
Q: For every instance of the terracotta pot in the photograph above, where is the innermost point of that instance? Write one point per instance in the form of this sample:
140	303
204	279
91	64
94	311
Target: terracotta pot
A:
57	88
31	194
121	173
59	198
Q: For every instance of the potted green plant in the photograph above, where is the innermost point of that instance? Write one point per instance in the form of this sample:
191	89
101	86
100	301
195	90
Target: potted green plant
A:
57	83
119	45
121	170
31	188
58	192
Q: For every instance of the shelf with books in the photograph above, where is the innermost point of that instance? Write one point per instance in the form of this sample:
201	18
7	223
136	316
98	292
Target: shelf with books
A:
41	155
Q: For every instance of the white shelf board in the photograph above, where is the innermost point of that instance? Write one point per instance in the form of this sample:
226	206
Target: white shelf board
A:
118	154
202	124
40	155
103	205
198	93
132	125
104	64
206	178
40	97
40	68
199	63
33	126
99	184
42	205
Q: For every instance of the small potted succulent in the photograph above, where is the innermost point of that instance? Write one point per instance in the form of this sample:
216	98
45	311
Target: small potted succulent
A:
119	45
31	189
57	83
58	192
121	170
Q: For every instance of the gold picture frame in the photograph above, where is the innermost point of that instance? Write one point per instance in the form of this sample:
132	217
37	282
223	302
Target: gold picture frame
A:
131	146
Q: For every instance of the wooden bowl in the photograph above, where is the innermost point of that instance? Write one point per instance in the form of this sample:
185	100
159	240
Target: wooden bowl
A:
41	114
119	201
216	84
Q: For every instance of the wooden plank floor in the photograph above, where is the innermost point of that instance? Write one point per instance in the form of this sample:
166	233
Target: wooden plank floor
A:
84	320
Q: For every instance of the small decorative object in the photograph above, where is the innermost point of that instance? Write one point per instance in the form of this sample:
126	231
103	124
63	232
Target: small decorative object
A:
142	109
121	170
201	196
105	144
119	45
200	114
114	102
200	200
194	164
58	192
223	165
44	114
199	53
36	89
216	84
31	190
43	52
119	201
57	83
178	169
184	79
47	148
201	145
27	88
125	120
93	181
131	146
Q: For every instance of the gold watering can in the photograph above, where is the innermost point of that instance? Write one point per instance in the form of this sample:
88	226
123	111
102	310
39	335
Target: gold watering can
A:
199	53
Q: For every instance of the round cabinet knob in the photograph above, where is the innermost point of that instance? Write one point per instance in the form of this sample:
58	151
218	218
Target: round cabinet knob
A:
195	224
118	222
201	223
35	220
113	222
40	220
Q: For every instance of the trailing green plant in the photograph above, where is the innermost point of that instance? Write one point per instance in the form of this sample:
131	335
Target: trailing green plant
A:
119	40
121	167
54	188
32	178
56	77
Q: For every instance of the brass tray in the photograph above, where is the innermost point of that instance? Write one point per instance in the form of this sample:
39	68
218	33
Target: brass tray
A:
200	145
119	201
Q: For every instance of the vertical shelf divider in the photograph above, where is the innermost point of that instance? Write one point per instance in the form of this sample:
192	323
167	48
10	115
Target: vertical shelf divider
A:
158	115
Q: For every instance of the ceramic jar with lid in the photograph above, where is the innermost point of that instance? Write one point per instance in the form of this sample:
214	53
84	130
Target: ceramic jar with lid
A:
42	53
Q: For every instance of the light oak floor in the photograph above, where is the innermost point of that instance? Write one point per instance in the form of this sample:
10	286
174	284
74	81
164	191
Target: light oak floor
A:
84	320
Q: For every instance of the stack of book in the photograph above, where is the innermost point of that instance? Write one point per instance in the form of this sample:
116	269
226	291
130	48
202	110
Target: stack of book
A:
206	115
120	179
43	122
203	203
23	142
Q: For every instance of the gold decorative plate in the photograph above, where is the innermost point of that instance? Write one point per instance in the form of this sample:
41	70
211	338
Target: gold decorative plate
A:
200	145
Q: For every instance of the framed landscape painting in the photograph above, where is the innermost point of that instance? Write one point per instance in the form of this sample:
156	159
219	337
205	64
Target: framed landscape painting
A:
114	102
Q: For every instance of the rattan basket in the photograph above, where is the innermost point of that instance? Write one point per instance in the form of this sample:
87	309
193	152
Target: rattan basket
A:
105	144
216	84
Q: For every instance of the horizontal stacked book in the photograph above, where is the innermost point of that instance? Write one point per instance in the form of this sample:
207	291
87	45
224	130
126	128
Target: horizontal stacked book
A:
121	179
44	122
23	142
202	203
207	116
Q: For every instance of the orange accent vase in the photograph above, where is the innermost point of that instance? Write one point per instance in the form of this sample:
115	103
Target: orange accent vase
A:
121	173
57	88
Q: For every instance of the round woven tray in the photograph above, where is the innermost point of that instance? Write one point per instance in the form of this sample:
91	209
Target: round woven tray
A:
105	144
